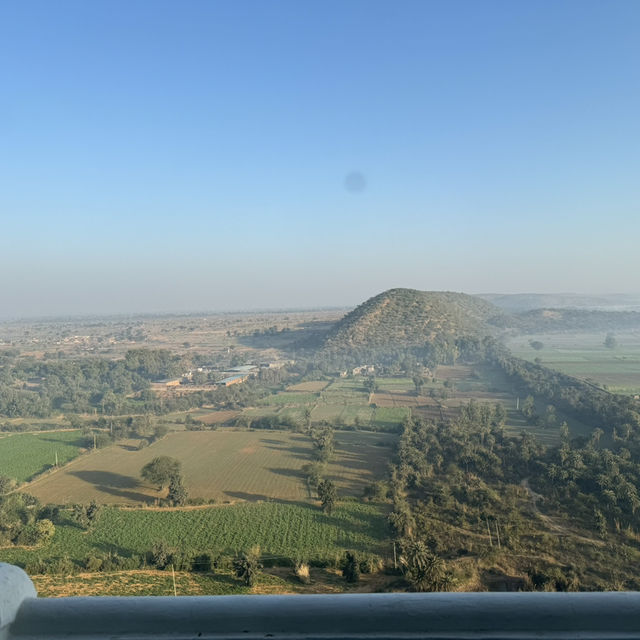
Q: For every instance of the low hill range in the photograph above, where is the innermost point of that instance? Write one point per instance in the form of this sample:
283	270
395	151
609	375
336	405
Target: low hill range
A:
405	318
520	302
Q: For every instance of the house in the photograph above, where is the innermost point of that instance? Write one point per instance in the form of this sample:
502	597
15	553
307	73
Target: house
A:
169	382
245	368
364	370
227	382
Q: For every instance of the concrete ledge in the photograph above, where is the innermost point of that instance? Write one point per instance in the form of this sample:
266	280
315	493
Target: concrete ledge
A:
396	616
15	587
402	616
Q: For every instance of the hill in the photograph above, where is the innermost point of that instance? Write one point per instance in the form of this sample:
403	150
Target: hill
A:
550	320
400	318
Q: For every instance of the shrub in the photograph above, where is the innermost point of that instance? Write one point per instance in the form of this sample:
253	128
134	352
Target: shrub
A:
301	571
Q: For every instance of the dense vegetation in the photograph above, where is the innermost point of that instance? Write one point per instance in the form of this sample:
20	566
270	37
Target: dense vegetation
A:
618	415
562	518
401	318
42	388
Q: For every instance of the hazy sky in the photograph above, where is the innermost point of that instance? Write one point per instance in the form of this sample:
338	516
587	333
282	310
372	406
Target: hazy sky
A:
164	156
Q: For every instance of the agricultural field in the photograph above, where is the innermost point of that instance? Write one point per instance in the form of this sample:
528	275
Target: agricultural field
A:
346	401
150	582
25	455
312	386
281	530
584	355
290	398
140	583
214	417
224	465
343	401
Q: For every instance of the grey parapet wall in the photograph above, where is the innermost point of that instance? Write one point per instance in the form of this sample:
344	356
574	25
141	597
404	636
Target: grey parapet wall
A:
397	616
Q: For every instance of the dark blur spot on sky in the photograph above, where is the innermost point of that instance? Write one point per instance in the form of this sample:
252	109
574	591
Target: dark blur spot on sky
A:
355	182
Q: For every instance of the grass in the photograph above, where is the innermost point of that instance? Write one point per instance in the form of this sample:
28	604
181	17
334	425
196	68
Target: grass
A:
584	355
389	417
395	384
140	583
150	582
25	455
311	386
290	397
282	530
225	465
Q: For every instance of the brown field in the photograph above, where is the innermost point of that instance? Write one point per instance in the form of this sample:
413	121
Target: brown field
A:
274	580
457	372
217	417
397	399
222	465
312	386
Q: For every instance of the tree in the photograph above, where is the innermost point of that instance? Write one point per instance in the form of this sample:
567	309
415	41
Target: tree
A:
161	470
307	418
418	382
160	554
85	515
550	418
323	441
178	494
351	568
499	414
327	494
528	408
610	341
247	566
93	511
36	533
6	484
79	514
537	345
371	385
600	523
423	569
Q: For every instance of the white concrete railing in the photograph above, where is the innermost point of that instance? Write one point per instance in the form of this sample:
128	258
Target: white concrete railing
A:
399	616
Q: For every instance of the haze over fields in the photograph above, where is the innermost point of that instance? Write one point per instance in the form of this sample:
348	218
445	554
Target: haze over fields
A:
244	155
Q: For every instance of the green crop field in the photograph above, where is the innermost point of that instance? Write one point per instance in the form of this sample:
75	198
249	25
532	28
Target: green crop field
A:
346	401
25	455
225	465
290	397
395	384
281	530
584	355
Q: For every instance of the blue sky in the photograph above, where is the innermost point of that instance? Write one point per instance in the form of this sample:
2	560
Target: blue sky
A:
165	156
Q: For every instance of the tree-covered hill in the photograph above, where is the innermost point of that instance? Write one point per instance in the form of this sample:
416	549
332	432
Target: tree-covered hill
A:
400	318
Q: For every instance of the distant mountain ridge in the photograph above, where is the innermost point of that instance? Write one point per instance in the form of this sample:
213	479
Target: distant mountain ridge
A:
553	320
518	302
400	318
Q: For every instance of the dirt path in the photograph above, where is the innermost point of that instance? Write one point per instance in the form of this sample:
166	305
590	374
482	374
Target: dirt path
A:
551	522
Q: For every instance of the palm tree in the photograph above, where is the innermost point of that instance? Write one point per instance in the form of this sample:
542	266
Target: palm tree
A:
424	570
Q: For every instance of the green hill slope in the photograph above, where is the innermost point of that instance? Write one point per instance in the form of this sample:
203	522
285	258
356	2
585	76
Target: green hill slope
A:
400	318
